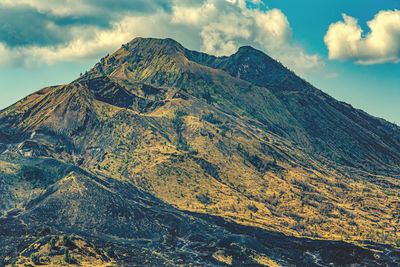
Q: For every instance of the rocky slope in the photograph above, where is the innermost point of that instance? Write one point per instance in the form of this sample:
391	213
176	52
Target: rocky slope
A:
162	155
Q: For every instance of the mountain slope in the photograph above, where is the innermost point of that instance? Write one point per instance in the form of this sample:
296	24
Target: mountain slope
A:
336	129
155	135
308	116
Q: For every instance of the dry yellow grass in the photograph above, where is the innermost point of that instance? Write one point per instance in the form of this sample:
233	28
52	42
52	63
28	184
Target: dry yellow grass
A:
83	253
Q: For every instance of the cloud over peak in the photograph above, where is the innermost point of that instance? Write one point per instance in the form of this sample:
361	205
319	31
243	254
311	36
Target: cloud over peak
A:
68	30
345	39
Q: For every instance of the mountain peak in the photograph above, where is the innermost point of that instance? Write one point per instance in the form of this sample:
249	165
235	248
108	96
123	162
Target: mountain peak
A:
252	65
155	44
141	55
248	49
154	40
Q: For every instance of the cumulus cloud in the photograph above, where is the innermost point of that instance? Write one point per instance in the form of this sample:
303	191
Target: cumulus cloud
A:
226	25
77	8
77	30
345	40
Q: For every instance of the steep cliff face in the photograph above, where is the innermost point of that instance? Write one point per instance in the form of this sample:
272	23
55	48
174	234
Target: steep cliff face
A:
171	149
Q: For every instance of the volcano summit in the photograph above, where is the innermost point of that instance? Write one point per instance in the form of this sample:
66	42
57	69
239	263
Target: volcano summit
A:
164	156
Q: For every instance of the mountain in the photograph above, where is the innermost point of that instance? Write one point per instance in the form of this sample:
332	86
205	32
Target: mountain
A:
161	155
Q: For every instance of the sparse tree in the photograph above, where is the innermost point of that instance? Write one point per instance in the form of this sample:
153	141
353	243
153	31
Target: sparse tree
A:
53	242
35	258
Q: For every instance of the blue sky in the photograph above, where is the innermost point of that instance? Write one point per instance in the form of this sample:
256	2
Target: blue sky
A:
374	88
48	42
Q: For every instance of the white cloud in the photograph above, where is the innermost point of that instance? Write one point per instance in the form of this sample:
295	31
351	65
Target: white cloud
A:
217	27
273	27
55	7
88	43
332	75
8	57
190	15
226	25
89	8
345	40
77	50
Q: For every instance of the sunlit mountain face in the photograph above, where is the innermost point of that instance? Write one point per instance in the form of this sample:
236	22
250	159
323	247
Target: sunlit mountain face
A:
160	155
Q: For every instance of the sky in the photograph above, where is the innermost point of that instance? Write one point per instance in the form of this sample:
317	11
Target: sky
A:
348	49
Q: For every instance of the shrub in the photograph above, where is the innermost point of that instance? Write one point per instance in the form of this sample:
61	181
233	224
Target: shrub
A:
110	252
207	96
66	241
316	220
303	185
178	122
68	258
53	242
35	258
204	198
211	118
180	113
32	173
224	128
325	209
253	208
181	143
